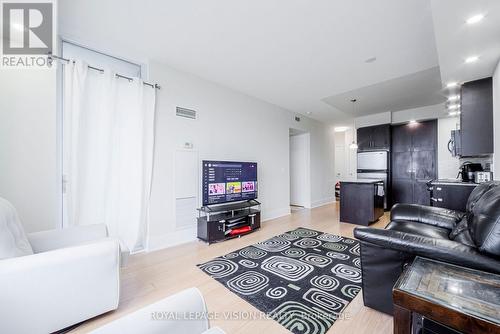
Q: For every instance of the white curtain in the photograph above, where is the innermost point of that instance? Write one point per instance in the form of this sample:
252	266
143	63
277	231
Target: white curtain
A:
108	140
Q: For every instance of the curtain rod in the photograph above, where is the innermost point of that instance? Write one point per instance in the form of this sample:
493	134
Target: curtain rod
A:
51	57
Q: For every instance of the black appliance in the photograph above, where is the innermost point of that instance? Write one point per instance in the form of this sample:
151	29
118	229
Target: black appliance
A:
467	170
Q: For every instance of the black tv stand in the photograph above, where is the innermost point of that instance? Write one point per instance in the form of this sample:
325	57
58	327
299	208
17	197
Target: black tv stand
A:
227	221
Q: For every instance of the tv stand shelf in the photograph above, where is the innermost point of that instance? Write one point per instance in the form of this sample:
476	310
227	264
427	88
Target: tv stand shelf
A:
227	221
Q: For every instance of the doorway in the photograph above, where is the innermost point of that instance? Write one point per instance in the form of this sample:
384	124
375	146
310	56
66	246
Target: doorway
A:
300	170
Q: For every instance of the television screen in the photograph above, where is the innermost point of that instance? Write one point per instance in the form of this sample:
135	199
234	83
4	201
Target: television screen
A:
229	181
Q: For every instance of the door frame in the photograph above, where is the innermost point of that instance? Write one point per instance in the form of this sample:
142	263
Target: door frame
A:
304	185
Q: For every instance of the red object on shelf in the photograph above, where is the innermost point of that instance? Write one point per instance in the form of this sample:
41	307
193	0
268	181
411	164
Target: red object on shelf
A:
240	230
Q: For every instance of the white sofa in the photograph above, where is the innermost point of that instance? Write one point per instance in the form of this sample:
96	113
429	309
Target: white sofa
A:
185	312
54	279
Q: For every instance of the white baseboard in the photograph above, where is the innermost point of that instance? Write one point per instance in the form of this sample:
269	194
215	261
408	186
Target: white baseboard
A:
171	239
322	202
273	214
175	238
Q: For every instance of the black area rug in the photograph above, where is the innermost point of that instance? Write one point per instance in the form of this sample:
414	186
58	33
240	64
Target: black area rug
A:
303	278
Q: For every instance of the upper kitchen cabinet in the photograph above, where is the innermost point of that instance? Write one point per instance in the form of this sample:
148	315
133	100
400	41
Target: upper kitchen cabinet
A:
476	118
376	137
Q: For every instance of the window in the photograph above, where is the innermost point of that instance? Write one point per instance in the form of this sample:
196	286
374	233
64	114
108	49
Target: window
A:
95	59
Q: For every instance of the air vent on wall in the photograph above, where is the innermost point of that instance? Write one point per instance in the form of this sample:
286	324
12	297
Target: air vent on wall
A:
186	113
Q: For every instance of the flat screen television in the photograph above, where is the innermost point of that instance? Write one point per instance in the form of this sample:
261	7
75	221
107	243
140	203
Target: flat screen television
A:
228	181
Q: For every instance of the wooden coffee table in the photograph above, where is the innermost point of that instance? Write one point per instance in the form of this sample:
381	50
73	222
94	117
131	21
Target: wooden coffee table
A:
464	299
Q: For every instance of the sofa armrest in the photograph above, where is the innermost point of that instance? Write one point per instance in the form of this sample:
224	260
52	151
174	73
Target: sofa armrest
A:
429	215
438	249
54	239
49	291
73	236
183	312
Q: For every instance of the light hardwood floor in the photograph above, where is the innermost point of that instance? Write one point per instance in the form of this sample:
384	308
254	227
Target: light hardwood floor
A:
153	276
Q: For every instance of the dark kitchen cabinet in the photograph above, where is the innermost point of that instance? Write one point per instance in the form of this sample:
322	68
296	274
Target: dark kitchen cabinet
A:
453	196
413	161
364	138
476	118
376	137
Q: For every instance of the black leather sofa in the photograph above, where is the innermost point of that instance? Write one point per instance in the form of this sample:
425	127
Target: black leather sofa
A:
470	239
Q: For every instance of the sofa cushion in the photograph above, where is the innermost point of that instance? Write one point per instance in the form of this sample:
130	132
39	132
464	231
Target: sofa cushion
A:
461	233
429	215
478	192
13	241
420	229
484	222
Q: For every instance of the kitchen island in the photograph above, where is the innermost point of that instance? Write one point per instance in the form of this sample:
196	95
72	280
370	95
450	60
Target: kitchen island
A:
361	201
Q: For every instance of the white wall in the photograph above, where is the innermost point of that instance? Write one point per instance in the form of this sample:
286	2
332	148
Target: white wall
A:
496	122
230	126
447	165
374	119
300	181
419	114
28	147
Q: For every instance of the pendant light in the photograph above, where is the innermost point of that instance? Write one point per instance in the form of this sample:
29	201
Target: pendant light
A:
353	145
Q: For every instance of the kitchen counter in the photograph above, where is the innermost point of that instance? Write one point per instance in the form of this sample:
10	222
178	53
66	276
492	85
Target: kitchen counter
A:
362	181
450	194
454	182
361	201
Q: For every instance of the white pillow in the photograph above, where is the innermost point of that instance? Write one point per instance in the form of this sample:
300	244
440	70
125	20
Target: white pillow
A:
13	241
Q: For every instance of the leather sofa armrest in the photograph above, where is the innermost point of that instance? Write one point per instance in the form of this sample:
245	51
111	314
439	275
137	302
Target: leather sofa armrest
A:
439	249
429	215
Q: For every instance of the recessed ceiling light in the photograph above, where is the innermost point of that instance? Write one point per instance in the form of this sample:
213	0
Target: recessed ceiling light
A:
454	113
453	98
475	19
472	59
412	121
340	128
453	106
452	84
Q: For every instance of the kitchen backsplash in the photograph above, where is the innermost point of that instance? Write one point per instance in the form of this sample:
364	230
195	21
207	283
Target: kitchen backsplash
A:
487	162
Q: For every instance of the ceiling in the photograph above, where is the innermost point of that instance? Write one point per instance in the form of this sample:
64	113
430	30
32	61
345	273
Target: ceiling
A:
456	40
414	90
301	55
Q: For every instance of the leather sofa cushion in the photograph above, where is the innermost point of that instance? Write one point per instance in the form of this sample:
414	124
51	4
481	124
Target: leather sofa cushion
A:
478	192
429	215
484	222
13	241
420	229
461	233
